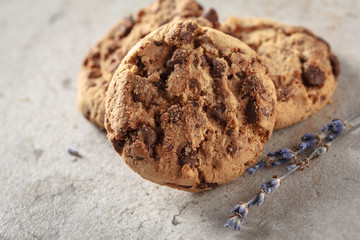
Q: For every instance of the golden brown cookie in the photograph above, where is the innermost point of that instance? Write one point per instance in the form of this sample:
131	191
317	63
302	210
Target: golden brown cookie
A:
103	59
301	64
190	107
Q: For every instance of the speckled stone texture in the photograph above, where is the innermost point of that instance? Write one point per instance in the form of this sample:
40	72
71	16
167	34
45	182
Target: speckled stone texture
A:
45	194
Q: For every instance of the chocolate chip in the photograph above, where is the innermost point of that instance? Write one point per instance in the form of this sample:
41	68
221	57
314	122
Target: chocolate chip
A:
187	156
194	83
161	84
125	28
95	55
158	44
191	27
139	158
203	61
141	68
149	135
112	48
312	76
217	69
169	147
252	111
218	112
195	104
179	57
335	65
118	145
212	16
186	37
230	132
94	74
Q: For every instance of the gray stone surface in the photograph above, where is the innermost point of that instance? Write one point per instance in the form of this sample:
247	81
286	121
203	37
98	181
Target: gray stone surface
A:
45	194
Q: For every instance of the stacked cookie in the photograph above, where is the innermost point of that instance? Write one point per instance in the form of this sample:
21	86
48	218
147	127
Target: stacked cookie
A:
191	104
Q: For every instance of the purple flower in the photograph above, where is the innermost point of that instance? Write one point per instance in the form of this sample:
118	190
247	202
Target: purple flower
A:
305	145
258	200
307	137
271	185
282	156
233	222
335	128
256	167
241	210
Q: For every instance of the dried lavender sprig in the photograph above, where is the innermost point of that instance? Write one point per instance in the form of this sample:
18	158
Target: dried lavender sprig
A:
329	132
241	210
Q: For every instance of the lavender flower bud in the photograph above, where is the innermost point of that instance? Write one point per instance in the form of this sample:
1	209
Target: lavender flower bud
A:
241	209
284	158
271	185
308	136
306	145
258	200
256	167
271	154
233	222
325	128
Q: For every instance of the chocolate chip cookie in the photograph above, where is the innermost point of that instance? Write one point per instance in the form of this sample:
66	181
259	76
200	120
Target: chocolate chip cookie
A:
301	65
103	59
190	107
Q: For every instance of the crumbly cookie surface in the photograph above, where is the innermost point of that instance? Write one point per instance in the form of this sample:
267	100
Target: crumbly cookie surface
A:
103	59
301	65
190	107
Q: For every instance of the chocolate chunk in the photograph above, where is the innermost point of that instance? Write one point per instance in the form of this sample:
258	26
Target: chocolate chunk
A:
158	44
195	104
218	112
186	37
118	145
192	27
194	83
230	132
312	76
212	16
125	28
187	156
112	48
95	56
149	135
169	147
217	69
161	84
139	158
335	65
203	61
94	74
141	68
179	57
252	111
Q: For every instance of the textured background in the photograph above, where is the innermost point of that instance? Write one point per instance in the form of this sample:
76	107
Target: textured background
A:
44	194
